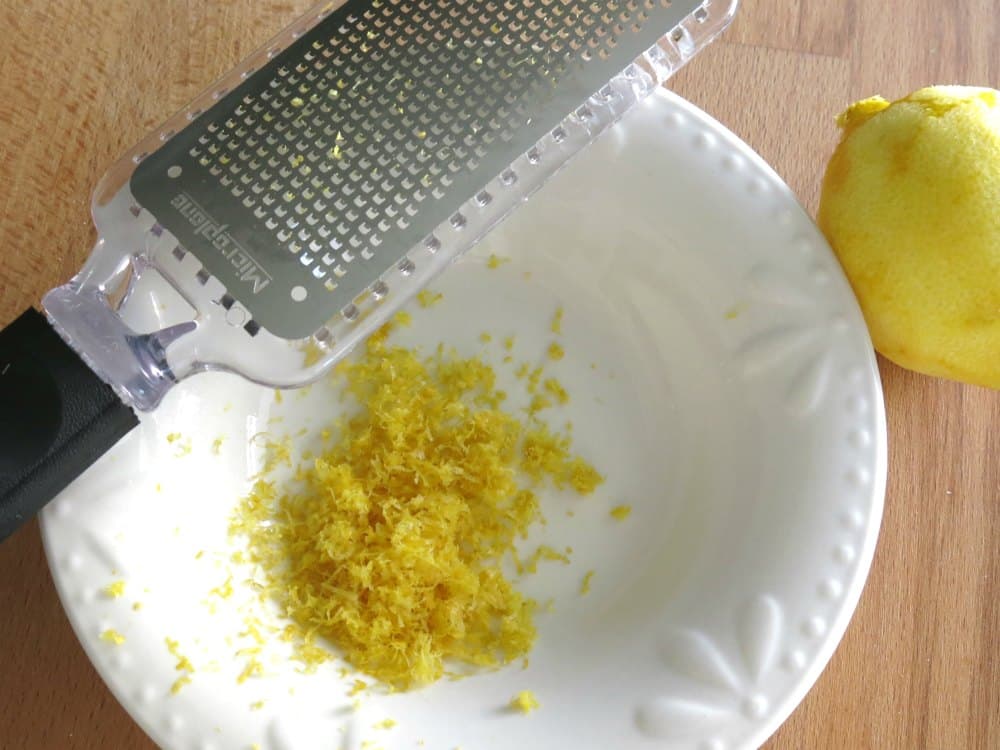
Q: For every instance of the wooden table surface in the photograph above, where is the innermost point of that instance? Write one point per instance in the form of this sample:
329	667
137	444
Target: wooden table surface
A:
920	664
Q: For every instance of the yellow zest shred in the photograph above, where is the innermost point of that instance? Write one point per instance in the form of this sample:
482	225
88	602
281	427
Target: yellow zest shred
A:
311	655
253	626
217	445
547	453
495	261
385	724
621	512
544	552
183	663
403	318
184	448
253	668
225	590
525	702
257	705
427	298
115	589
485	338
554	388
277	453
556	352
557	321
359	686
538	403
582	477
534	378
585	584
278	398
508	343
311	353
390	543
113	636
136	606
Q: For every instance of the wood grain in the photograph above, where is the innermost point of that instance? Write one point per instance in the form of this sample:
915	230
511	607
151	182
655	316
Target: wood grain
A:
920	664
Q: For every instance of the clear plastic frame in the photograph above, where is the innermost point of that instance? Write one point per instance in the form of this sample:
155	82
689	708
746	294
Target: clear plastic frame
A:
218	331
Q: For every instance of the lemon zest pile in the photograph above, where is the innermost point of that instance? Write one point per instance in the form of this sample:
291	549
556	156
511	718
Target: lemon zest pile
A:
389	543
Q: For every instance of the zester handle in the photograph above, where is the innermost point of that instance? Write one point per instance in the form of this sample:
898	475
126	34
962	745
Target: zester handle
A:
56	418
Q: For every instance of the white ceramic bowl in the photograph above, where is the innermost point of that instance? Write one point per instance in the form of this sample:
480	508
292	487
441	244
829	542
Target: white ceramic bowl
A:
734	403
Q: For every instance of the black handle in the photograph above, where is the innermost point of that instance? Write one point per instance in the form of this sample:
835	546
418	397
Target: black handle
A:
56	418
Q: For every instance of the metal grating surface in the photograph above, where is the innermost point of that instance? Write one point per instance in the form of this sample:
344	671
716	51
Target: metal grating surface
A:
318	173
